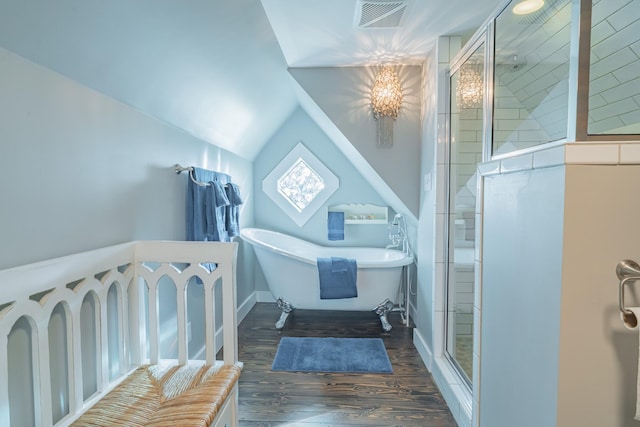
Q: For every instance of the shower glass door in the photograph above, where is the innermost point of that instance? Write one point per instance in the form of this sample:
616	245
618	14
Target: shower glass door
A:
465	152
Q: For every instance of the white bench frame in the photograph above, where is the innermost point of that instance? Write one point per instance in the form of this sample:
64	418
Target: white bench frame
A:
34	290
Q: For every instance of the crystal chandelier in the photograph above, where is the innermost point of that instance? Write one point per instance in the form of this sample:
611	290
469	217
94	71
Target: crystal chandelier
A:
386	100
469	90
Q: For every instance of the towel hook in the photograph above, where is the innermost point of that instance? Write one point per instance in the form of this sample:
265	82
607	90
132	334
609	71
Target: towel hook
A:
627	271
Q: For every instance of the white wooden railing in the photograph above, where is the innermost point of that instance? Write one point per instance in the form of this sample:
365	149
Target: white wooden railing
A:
30	294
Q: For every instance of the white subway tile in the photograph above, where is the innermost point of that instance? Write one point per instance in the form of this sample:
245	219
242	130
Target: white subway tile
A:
518	163
441	187
440	234
632	117
617	41
596	101
476	368
442	92
613	109
442	132
489	168
625	16
549	157
612	62
506	114
636	48
438	331
630	153
477	291
438	284
627	72
601	31
605	125
591	153
443	50
475	421
455	44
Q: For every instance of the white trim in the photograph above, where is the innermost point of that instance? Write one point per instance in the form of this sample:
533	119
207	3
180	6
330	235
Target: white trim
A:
246	307
423	349
264	296
241	313
453	389
568	153
592	154
270	184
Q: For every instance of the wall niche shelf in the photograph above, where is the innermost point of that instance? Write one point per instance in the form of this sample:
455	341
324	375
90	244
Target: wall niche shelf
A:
362	213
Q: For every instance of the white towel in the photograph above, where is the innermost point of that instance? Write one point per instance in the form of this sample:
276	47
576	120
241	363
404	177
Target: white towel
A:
632	324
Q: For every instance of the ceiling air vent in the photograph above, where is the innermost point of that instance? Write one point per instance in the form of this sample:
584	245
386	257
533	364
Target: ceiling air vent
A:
380	14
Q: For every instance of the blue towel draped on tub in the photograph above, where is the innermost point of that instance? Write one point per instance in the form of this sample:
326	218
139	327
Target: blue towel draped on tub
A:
335	225
337	278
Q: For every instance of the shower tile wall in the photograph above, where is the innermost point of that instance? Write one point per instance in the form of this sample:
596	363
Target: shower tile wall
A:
614	91
531	79
464	299
469	154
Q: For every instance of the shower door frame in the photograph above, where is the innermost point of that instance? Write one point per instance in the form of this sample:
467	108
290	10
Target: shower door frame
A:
484	39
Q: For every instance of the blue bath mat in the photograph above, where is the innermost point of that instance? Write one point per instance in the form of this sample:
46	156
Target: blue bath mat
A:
348	355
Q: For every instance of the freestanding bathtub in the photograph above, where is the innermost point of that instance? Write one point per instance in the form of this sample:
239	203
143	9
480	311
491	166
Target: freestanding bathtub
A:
290	267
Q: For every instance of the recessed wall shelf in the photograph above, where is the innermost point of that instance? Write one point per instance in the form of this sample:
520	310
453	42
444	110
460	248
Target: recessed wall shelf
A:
362	213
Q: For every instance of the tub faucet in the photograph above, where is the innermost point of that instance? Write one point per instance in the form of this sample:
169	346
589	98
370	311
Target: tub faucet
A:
398	234
398	241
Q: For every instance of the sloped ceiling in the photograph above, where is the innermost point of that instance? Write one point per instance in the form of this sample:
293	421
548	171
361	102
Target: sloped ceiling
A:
211	68
215	69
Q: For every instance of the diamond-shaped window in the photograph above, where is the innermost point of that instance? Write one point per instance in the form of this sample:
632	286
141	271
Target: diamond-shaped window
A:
300	184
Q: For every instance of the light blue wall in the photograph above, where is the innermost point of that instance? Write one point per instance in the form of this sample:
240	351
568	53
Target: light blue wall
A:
521	297
353	188
79	171
425	247
343	94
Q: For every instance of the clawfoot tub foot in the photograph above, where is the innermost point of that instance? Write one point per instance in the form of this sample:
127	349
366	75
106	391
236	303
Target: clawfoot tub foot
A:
382	310
286	308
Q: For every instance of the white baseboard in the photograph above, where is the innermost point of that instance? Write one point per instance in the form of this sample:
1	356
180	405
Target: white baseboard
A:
246	307
455	392
423	349
264	296
241	313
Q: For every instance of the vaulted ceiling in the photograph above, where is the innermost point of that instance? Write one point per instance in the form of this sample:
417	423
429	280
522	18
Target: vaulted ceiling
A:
218	70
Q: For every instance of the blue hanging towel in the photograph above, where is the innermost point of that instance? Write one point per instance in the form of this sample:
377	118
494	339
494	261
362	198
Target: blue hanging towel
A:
201	225
196	214
205	208
233	210
216	202
335	225
337	278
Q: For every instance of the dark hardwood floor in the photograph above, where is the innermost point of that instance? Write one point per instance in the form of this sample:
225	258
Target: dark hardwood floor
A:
408	397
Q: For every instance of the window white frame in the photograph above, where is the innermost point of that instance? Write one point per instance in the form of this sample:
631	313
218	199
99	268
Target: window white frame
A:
270	184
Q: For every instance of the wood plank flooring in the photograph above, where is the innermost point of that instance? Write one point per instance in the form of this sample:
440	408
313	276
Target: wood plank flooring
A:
406	398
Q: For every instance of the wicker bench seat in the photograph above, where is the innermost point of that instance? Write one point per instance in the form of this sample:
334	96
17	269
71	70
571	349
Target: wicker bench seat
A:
165	396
